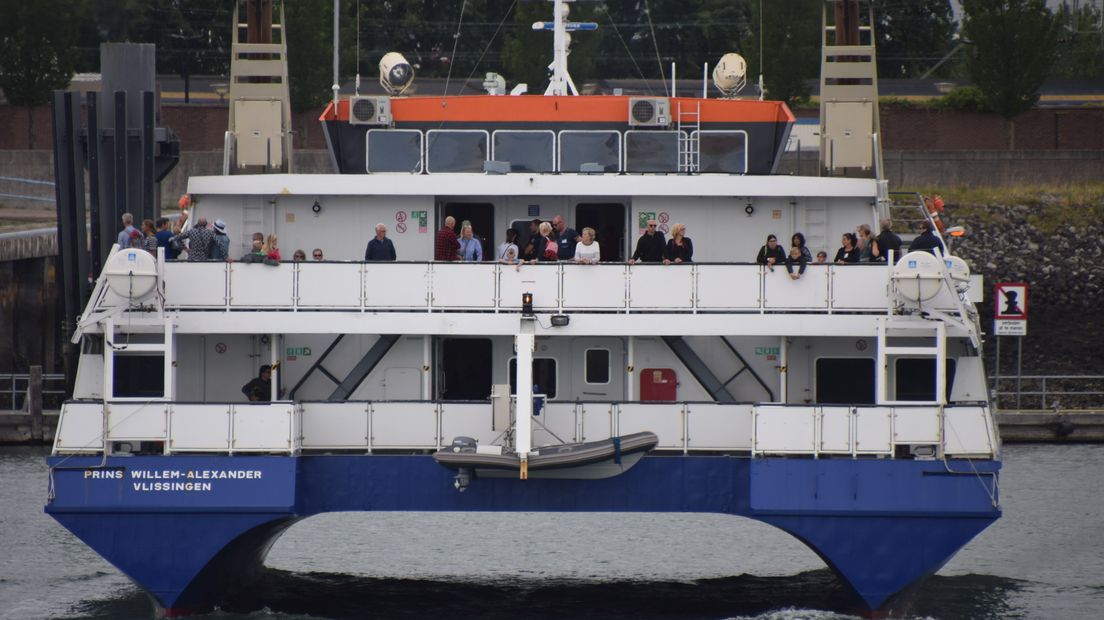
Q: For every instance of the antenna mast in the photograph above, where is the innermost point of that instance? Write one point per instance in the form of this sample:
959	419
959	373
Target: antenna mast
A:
560	82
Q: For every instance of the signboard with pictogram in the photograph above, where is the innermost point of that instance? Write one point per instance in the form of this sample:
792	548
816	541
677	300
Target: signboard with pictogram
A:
1010	309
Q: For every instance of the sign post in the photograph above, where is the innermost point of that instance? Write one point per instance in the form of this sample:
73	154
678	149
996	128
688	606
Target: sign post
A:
1010	319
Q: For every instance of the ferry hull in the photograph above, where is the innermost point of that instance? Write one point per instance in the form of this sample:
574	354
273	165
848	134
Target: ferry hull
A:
881	525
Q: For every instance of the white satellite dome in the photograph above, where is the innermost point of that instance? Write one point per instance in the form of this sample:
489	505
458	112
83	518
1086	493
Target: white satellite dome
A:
918	276
730	74
131	274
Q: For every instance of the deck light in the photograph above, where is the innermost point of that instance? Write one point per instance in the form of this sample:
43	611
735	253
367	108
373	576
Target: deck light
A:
560	320
317	208
749	209
526	304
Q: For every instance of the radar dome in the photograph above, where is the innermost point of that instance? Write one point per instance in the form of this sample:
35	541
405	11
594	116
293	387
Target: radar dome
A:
730	74
918	276
131	274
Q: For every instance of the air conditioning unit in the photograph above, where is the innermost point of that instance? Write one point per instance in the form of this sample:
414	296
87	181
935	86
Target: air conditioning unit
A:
649	112
369	111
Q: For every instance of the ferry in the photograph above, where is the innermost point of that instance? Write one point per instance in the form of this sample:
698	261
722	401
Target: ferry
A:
847	407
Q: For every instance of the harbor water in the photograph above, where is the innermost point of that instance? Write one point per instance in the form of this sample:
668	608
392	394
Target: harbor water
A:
1043	559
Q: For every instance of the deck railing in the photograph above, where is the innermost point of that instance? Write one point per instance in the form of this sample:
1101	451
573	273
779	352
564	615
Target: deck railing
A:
556	287
408	426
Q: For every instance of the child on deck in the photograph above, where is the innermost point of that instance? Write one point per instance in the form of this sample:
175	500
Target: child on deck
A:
795	258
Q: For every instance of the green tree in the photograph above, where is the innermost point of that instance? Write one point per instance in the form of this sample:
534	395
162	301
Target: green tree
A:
310	52
1012	52
1080	43
912	36
191	40
790	43
37	52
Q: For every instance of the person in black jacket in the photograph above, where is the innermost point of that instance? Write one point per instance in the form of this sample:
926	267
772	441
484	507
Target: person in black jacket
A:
259	389
770	254
927	241
380	247
679	247
885	242
849	253
650	247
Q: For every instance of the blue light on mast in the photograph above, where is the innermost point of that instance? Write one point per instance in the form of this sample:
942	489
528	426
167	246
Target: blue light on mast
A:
568	26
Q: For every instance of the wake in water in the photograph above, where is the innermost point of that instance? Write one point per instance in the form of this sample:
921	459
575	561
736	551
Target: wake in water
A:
282	595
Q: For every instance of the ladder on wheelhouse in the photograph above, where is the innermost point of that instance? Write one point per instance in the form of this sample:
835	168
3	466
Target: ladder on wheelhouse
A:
689	126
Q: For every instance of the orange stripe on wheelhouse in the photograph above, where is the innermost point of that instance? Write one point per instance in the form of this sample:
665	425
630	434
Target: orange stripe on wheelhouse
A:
584	109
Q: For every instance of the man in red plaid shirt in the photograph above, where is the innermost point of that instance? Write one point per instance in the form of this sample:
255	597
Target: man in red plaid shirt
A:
447	246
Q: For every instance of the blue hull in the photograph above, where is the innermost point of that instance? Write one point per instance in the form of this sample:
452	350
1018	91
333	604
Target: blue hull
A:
191	529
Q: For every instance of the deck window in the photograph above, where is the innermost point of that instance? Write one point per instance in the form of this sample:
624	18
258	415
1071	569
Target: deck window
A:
915	378
544	375
597	366
138	376
845	381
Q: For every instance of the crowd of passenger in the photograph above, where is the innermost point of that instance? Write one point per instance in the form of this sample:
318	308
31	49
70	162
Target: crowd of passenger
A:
861	246
547	241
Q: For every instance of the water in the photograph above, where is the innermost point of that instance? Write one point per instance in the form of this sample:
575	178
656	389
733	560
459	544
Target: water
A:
1044	559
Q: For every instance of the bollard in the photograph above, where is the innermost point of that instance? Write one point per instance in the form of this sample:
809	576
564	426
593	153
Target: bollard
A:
34	402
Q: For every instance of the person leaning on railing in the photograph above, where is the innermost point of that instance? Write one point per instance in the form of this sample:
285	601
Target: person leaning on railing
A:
679	247
770	254
796	258
650	247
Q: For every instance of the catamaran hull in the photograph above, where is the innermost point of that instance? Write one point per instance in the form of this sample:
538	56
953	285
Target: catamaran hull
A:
192	529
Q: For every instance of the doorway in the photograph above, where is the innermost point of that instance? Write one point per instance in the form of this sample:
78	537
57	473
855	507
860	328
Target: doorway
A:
845	381
481	216
465	371
608	221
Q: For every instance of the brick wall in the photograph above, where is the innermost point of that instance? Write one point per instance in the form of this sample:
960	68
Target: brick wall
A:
1038	129
199	127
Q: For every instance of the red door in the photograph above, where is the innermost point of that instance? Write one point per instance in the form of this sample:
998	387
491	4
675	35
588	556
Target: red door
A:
657	384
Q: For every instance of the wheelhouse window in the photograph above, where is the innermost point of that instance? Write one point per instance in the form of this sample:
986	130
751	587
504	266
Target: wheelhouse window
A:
544	376
652	151
590	147
394	150
722	151
456	150
845	381
597	366
526	151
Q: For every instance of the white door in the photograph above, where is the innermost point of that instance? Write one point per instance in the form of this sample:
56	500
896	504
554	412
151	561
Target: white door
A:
598	369
402	384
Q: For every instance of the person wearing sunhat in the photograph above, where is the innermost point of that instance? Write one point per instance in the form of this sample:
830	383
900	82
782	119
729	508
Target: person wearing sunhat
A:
220	248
